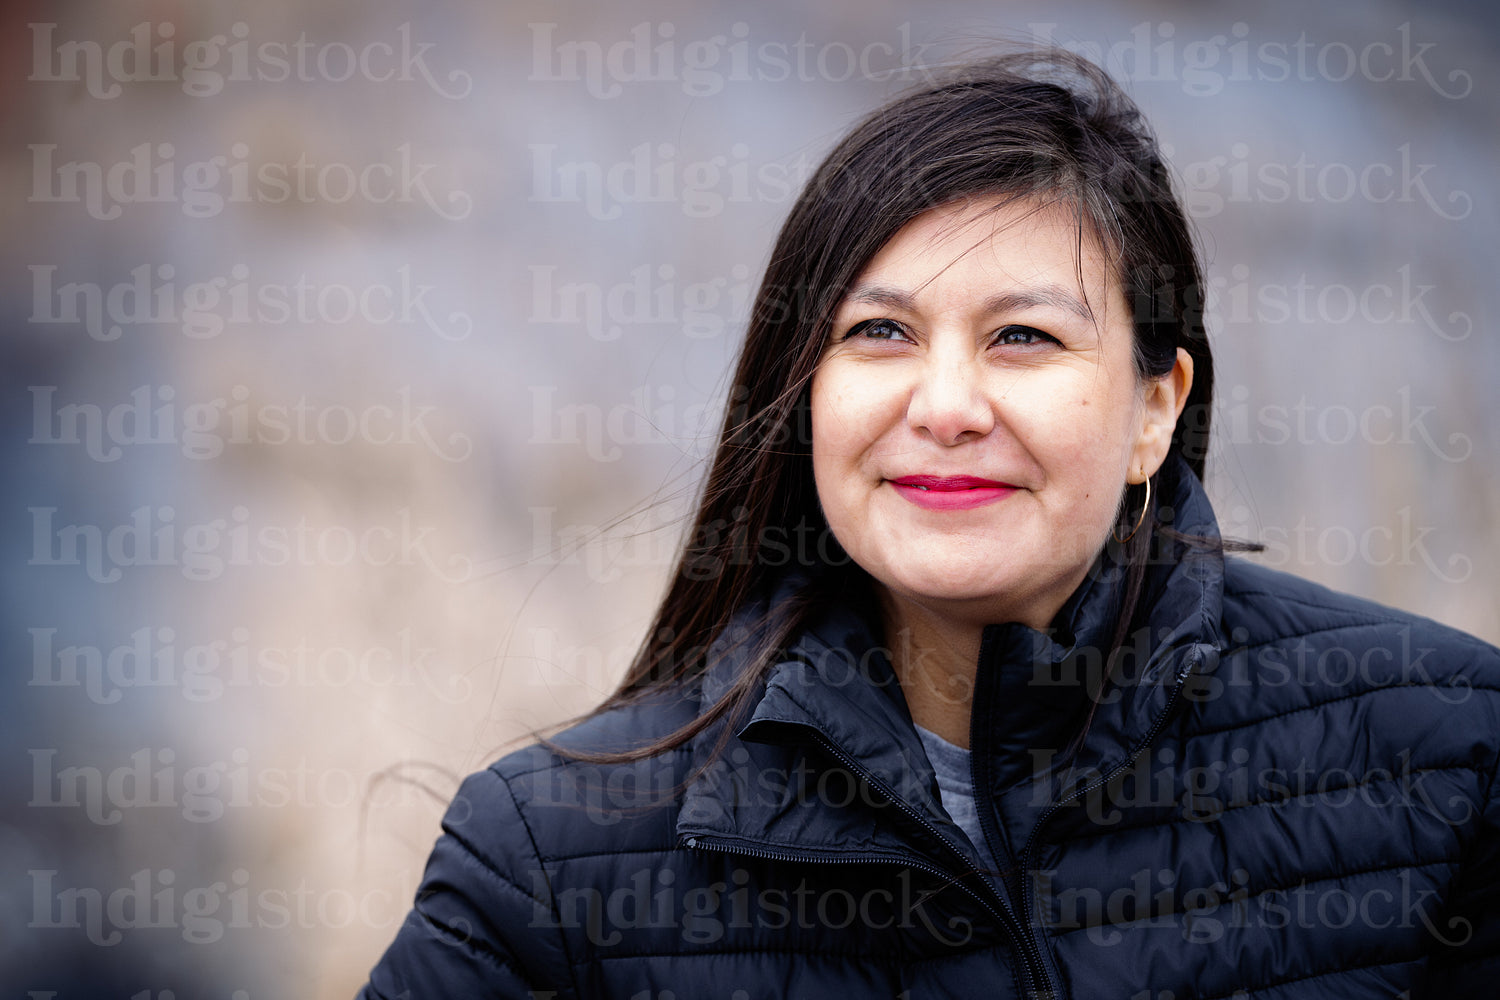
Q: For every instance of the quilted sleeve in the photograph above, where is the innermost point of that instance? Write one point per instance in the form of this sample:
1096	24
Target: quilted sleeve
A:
482	924
1471	922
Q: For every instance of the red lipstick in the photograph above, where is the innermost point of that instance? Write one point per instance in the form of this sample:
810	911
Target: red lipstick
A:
951	492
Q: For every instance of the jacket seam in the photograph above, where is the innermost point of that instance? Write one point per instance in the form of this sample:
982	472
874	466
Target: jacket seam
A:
1473	849
562	763
864	956
1371	616
469	941
1459	638
1374	617
1195	733
1240	991
665	849
1091	835
507	778
551	895
500	876
1284	637
1336	877
1205	621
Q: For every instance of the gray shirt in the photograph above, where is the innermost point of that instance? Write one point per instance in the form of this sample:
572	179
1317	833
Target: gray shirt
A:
956	789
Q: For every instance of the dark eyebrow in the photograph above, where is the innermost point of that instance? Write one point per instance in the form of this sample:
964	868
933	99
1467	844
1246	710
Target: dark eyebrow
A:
1010	301
875	295
1039	295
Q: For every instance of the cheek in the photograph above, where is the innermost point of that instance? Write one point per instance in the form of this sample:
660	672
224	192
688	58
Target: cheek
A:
1075	425
825	406
850	417
833	446
1053	410
849	414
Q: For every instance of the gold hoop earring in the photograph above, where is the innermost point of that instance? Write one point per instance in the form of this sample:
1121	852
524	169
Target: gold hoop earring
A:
1139	521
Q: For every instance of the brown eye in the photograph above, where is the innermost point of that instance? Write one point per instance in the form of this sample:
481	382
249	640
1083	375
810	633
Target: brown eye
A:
1023	336
878	329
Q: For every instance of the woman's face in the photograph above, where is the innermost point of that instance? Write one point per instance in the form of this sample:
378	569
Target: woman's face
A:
976	413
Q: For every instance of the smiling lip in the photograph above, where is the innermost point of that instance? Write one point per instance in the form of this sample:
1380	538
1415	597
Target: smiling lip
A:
951	492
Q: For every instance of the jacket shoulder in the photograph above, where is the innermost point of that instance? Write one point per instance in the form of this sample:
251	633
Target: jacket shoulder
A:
1310	667
573	808
1268	607
469	930
525	833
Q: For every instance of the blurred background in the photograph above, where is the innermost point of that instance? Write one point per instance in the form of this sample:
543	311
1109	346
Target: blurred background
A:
360	361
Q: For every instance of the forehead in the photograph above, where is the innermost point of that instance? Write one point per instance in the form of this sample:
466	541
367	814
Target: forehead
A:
984	240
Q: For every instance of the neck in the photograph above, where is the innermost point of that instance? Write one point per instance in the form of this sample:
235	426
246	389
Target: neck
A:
935	660
935	653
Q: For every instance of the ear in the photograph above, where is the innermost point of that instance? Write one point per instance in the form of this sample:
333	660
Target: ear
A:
1165	398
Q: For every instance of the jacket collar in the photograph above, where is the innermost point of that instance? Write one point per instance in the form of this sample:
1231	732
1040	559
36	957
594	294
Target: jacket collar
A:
834	687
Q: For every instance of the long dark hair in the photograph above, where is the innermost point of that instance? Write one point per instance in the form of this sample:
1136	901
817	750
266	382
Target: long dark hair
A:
1029	125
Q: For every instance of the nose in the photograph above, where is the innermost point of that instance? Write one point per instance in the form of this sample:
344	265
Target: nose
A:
949	402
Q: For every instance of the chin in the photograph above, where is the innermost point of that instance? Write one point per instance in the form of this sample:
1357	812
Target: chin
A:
930	587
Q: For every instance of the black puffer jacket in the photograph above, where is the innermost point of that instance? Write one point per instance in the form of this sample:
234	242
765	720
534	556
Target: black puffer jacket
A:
1287	793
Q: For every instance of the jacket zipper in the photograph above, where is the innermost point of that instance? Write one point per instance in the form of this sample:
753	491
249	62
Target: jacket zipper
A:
1039	985
1029	850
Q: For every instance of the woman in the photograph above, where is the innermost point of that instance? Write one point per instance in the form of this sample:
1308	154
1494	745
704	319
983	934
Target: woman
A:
955	690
